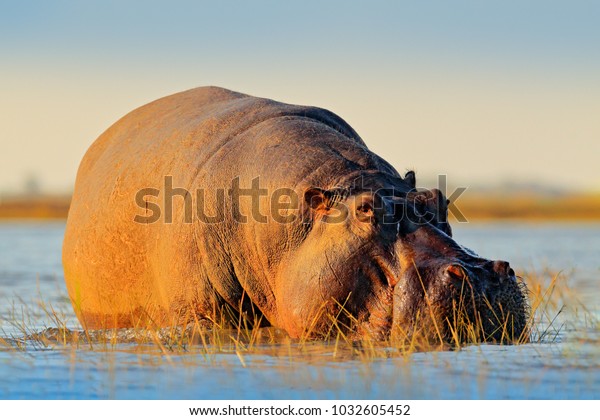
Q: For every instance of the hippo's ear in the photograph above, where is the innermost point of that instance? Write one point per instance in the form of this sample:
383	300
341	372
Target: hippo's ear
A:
317	199
323	200
411	179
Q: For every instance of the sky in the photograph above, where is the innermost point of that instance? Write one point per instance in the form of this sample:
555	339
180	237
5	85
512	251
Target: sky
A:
484	92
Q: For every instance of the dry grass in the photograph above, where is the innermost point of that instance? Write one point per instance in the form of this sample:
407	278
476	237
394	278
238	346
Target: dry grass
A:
549	299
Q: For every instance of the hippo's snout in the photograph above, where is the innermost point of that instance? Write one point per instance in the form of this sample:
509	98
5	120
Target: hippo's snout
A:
490	301
485	278
458	296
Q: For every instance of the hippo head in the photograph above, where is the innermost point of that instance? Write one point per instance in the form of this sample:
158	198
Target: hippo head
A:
447	292
384	265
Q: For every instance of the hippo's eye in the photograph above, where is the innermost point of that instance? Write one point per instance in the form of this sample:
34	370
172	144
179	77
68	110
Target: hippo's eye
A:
365	211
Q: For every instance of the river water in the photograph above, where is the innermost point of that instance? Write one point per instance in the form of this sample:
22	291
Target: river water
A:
565	365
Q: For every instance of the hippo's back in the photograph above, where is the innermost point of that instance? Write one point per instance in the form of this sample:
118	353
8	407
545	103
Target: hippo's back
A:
186	128
119	271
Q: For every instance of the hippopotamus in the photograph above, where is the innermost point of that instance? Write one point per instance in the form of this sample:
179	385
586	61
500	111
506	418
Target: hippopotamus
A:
215	205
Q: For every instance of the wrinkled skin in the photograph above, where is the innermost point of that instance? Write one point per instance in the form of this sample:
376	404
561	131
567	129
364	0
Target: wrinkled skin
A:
389	266
408	264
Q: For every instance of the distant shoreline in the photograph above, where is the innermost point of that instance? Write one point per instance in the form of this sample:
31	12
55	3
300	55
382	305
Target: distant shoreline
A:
575	207
476	206
35	207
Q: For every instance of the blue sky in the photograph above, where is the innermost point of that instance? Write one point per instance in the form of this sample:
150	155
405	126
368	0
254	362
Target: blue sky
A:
485	92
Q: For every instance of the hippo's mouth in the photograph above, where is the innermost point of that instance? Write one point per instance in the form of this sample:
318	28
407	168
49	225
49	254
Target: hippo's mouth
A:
506	317
465	313
462	311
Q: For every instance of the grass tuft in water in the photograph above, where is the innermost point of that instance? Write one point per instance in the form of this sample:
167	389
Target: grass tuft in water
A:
41	325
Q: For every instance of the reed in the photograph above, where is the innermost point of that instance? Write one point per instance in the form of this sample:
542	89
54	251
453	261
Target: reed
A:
41	325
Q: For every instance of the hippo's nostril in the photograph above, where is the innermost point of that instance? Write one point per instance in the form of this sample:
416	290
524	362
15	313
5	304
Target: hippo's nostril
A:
502	267
455	272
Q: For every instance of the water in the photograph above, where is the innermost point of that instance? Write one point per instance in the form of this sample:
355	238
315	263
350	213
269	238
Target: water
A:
569	367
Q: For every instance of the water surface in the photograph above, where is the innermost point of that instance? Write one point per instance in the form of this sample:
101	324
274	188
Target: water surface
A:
568	367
